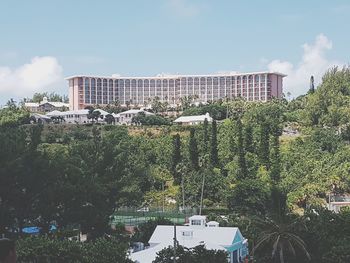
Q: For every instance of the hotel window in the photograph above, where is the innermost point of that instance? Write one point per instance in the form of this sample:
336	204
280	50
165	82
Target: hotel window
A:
127	90
229	89
190	86
222	87
105	92
165	89
147	91
99	92
133	91
140	91
153	88
183	87
111	97
87	90
93	91
158	88
215	88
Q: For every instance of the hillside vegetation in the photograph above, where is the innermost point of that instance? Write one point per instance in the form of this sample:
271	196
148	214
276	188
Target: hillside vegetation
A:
269	166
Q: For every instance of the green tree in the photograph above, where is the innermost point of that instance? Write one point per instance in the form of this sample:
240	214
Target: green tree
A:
198	254
214	145
205	135
176	155
145	230
193	150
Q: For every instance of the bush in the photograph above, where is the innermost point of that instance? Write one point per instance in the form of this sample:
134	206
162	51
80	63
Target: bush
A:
41	249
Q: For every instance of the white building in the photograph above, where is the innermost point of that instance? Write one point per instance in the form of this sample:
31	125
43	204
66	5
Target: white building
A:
337	202
125	117
193	120
77	116
210	234
46	106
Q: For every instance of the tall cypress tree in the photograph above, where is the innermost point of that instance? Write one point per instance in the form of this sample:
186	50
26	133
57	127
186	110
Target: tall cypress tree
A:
264	144
205	136
243	172
193	149
248	138
176	156
275	158
214	145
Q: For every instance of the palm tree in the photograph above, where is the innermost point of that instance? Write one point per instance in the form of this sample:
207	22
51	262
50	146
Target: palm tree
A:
281	239
279	233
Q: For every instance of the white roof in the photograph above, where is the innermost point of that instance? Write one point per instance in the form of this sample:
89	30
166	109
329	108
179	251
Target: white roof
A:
196	118
55	113
212	237
170	76
136	111
102	112
41	116
198	217
31	104
76	112
222	236
56	104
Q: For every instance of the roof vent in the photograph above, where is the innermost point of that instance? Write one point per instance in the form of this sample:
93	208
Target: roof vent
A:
213	224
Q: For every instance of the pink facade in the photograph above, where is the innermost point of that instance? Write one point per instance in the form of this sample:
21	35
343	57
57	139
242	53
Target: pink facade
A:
141	91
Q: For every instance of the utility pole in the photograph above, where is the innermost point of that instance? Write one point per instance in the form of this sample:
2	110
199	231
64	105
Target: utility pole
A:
175	241
202	192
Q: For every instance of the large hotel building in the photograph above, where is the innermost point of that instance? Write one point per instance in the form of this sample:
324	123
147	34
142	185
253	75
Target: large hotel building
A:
92	90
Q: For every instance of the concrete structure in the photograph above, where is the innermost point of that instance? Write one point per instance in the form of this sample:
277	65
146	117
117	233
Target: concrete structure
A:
210	234
46	106
91	90
337	202
125	117
193	120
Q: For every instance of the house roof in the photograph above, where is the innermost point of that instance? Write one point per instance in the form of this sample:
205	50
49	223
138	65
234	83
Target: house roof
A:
196	118
103	112
136	111
223	236
56	104
211	237
55	113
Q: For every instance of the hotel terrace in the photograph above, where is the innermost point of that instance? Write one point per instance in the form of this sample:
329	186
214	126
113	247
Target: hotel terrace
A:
140	91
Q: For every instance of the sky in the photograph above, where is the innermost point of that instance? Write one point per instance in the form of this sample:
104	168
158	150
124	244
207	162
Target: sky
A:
44	41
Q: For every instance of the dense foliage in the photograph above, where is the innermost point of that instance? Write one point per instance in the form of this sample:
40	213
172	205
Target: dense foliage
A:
41	249
197	254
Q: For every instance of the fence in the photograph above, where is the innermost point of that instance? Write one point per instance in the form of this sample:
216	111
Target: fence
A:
133	216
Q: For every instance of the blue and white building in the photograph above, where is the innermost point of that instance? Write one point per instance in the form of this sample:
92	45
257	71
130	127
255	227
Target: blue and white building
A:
198	232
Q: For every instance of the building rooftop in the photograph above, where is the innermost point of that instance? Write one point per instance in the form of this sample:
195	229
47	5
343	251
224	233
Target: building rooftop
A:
195	118
211	237
169	76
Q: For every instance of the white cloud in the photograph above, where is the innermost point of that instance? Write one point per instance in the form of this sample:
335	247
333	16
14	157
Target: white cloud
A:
41	74
313	62
184	7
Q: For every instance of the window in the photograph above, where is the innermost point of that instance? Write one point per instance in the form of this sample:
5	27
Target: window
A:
187	233
196	222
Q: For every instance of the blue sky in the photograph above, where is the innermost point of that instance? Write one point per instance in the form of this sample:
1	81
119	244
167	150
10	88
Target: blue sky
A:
44	41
